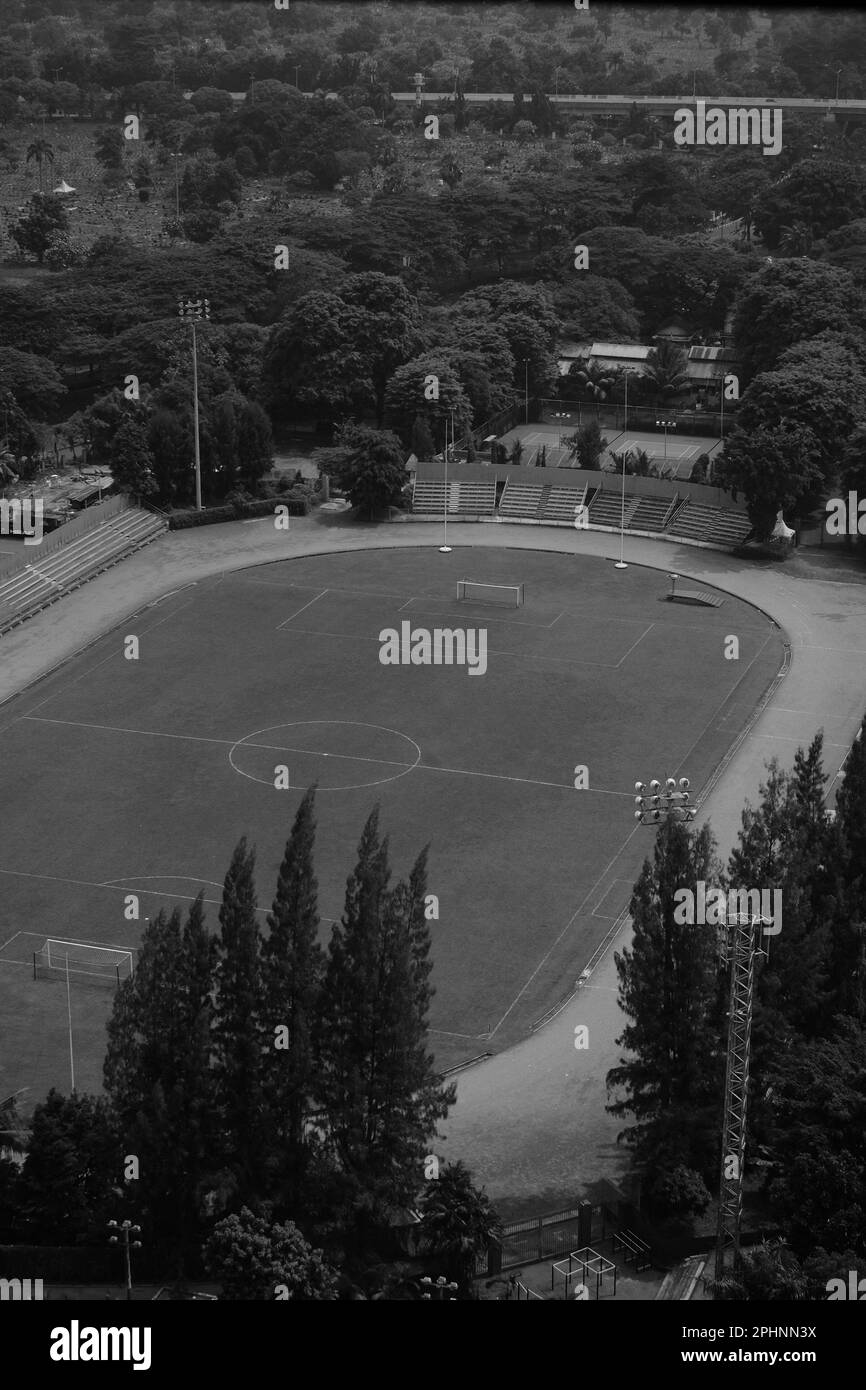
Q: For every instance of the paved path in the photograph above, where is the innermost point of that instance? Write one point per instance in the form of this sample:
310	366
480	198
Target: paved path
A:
530	1121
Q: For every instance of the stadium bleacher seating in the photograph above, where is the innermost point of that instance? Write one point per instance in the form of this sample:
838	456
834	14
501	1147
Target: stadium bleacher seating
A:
561	503
41	580
650	514
694	520
520	499
665	515
606	509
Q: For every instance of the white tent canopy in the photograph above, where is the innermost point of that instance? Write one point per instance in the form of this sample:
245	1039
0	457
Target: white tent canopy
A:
63	187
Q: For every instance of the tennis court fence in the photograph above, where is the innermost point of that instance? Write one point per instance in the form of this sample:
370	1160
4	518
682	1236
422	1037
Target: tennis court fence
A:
705	423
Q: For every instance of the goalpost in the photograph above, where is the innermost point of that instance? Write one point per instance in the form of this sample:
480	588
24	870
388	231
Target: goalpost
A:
58	959
510	595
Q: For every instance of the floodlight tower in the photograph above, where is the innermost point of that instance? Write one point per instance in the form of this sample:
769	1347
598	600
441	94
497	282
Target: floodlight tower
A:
739	943
656	803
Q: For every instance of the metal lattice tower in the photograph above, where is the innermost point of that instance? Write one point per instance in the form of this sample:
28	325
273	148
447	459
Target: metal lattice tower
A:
740	942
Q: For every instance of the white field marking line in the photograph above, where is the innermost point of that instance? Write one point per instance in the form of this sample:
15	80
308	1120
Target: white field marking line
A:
483	618
90	670
778	738
332	588
443	1033
300	610
110	885
491	651
730	695
317	753
625	843
9	942
632	647
577	912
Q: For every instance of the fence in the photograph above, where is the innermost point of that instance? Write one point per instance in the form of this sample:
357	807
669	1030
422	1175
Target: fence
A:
88	520
706	423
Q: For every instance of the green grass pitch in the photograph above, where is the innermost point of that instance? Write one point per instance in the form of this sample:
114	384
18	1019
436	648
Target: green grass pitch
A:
121	776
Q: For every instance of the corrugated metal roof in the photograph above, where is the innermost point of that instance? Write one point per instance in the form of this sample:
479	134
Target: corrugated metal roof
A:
631	352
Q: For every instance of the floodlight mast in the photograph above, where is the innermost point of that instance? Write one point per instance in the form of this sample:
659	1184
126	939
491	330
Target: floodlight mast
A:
740	942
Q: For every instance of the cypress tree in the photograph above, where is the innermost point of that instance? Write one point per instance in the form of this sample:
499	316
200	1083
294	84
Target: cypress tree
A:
670	990
379	1094
238	1036
157	1076
847	965
292	968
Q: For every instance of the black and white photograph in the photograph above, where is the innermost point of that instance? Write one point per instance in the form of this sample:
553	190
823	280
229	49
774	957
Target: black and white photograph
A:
432	671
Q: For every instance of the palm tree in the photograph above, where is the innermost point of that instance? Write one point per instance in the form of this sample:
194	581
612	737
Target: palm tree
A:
595	380
40	150
795	240
666	368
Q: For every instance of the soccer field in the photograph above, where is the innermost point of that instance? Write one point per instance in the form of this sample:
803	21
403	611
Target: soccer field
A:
139	776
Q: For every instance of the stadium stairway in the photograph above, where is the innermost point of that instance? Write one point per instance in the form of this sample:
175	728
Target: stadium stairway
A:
693	520
40	581
651	514
605	509
730	528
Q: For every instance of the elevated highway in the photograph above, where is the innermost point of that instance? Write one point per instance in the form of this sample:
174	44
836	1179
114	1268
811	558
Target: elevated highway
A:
655	105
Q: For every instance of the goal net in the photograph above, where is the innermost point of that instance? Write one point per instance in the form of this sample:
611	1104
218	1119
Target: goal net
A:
509	595
97	962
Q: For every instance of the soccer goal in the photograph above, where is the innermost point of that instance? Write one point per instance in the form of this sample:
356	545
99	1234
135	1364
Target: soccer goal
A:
509	595
56	959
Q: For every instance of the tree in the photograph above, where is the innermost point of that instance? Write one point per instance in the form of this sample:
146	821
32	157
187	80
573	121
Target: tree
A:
238	1035
45	215
34	381
789	300
592	380
773	468
422	440
292	968
42	151
429	383
666	369
819	194
591	306
818	383
312	357
158	1078
847	961
72	1173
819	1142
109	147
668	990
378	1086
170	439
256	1261
131	460
386	326
587	445
367	464
458	1222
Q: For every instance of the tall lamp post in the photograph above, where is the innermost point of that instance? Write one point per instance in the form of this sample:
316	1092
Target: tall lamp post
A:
445	548
193	310
126	1229
176	186
668	425
621	564
525	361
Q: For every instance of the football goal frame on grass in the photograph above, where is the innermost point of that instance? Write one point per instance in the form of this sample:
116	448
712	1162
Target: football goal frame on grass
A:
57	959
509	595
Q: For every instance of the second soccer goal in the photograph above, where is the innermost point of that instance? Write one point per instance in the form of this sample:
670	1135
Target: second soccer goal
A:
508	595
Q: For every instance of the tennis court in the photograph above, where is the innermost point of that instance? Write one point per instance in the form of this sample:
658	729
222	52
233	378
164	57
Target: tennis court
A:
680	451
